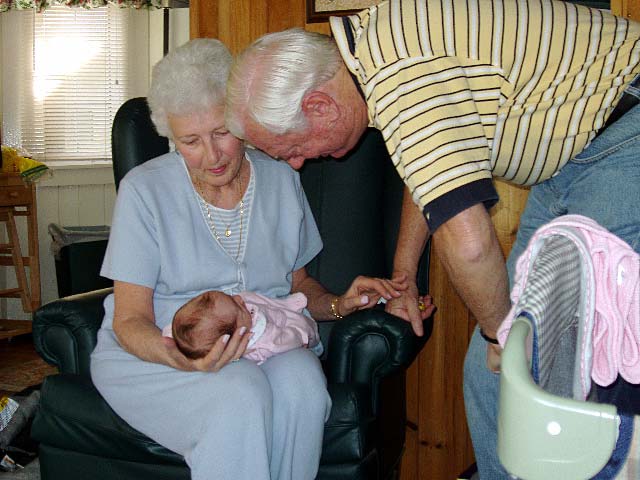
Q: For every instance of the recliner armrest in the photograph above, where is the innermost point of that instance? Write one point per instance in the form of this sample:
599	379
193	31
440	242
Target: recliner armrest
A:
65	330
369	345
349	430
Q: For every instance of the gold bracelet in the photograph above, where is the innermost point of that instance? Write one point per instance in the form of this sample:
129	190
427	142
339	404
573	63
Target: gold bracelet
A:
334	308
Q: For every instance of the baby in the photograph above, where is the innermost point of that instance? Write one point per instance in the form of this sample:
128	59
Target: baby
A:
278	325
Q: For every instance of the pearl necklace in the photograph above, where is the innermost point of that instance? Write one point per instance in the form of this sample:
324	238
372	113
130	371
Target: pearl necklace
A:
211	223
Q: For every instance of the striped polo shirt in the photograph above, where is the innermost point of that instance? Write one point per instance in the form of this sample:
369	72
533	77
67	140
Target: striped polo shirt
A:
467	90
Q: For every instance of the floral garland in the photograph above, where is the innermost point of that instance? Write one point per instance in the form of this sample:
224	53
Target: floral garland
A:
41	5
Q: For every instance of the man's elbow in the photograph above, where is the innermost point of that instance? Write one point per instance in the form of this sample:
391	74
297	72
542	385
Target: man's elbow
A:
469	236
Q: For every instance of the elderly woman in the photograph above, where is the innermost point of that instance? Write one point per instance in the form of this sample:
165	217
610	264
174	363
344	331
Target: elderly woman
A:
214	216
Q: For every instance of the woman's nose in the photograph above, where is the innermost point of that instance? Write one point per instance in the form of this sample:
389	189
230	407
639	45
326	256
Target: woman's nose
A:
212	152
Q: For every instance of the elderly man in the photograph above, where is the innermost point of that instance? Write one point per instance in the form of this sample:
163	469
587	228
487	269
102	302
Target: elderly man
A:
531	91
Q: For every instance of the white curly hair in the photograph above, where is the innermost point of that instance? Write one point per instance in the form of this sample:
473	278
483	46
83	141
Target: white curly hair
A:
190	79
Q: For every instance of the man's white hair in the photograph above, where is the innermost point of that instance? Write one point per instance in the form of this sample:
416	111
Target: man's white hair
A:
269	80
190	79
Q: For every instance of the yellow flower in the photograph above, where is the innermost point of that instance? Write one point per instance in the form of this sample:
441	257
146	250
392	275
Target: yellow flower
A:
28	168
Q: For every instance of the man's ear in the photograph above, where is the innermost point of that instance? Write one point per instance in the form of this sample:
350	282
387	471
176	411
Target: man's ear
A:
317	105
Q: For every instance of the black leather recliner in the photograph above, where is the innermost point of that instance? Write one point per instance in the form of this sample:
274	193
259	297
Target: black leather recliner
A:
356	204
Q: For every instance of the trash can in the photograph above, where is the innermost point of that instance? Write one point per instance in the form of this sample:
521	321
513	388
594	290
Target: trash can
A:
78	254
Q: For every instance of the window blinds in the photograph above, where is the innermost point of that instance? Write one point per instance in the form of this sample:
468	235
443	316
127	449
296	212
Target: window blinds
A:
69	69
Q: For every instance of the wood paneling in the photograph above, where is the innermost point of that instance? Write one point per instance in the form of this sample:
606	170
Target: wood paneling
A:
506	214
438	444
444	445
626	8
238	22
409	466
203	15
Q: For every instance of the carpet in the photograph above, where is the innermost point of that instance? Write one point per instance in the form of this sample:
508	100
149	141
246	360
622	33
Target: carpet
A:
30	472
22	380
30	373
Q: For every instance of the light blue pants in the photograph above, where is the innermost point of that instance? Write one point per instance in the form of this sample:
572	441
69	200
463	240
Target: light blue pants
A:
602	183
244	422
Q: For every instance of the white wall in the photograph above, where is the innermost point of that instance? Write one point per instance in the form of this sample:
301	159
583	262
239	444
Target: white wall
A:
178	32
80	196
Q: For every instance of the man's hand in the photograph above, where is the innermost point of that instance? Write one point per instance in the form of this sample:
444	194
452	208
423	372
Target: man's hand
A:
494	352
411	307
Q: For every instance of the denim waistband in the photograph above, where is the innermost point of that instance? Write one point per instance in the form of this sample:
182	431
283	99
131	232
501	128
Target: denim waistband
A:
626	102
635	82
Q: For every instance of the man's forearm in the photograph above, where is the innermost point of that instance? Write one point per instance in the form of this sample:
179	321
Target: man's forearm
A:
469	250
412	238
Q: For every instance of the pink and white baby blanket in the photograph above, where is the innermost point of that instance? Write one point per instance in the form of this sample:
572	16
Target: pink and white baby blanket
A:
580	286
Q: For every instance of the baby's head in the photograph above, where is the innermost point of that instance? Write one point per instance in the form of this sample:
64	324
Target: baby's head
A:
200	322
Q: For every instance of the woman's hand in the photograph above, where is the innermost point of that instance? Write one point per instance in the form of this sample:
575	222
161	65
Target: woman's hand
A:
365	292
411	307
225	350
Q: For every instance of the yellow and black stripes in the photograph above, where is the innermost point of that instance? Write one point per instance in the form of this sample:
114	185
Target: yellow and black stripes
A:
463	90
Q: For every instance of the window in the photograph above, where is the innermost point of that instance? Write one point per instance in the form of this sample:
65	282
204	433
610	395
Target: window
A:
66	71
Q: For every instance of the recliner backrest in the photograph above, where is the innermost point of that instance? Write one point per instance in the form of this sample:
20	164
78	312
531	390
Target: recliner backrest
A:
134	138
357	204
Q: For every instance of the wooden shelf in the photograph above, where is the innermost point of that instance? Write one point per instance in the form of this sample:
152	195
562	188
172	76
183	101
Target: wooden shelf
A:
18	199
13	328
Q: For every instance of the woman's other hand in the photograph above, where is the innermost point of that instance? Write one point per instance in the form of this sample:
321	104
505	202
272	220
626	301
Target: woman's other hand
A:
226	349
365	292
411	307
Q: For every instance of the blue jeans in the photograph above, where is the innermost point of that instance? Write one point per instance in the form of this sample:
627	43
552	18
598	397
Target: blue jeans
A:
603	183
